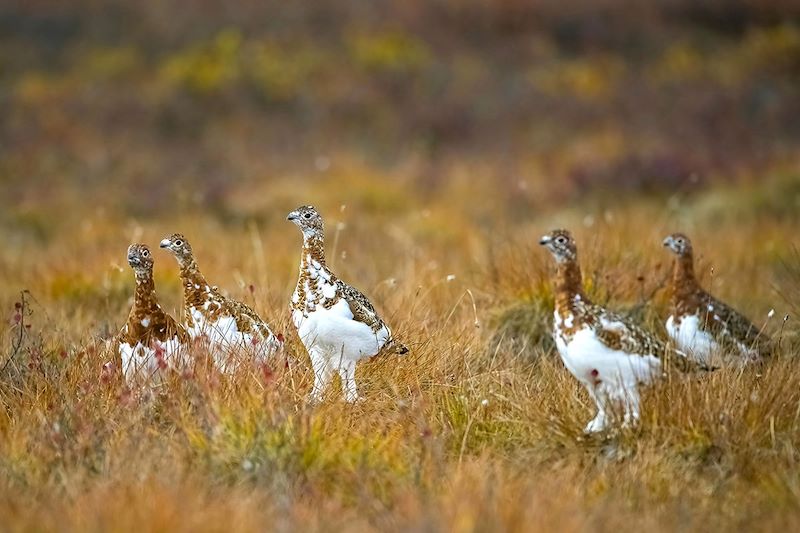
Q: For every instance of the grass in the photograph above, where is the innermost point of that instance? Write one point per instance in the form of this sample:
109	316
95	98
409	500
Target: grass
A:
478	428
440	140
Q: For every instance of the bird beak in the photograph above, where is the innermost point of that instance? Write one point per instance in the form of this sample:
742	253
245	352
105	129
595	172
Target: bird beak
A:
165	243
544	240
293	216
667	241
133	260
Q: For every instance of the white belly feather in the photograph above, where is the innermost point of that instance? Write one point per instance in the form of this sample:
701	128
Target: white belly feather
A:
590	360
144	362
334	333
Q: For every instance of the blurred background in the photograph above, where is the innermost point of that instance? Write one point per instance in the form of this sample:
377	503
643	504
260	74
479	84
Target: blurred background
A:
429	120
167	104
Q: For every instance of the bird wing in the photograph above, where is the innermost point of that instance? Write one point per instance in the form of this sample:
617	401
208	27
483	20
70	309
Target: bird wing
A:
731	327
620	334
364	312
247	320
360	306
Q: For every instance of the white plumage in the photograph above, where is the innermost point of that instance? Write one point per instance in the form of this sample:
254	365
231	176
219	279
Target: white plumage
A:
228	344
335	341
611	377
231	329
690	338
335	322
607	354
142	363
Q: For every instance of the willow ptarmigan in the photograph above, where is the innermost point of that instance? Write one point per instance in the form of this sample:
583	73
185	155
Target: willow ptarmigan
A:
226	324
701	325
336	323
150	340
608	355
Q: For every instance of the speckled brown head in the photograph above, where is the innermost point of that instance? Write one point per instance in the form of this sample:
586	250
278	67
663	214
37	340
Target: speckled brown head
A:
178	246
140	259
679	244
561	245
308	220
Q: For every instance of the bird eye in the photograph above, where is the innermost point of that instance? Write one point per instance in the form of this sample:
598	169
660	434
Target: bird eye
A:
307	216
145	253
179	243
679	241
561	240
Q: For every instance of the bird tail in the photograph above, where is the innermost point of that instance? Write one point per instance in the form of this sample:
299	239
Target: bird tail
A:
396	347
685	363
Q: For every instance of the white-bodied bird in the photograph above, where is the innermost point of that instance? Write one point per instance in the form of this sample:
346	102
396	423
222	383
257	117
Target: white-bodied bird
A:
336	323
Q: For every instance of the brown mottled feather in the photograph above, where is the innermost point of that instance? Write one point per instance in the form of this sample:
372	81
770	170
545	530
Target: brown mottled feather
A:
206	299
360	306
729	327
160	325
610	328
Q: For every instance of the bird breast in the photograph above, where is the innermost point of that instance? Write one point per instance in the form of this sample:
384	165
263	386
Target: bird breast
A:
149	359
316	288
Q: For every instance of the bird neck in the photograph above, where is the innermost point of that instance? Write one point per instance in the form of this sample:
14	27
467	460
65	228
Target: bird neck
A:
569	286
313	249
684	283
313	257
195	286
144	297
313	274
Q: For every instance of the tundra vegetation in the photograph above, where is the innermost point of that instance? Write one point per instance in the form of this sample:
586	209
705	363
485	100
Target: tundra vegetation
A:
440	140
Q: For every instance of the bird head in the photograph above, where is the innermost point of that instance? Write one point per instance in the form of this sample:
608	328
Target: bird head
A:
561	245
679	244
308	220
178	246
140	259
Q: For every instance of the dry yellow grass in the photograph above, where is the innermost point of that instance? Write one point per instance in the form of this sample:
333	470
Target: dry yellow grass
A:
471	431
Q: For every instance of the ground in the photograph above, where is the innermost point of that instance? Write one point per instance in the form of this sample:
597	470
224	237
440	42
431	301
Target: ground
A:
475	428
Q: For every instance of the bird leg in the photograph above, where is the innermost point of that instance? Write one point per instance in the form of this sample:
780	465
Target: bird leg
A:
323	372
347	372
631	403
599	422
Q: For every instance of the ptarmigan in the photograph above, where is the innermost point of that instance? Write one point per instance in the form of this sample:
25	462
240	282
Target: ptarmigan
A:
701	325
336	323
151	340
227	324
608	355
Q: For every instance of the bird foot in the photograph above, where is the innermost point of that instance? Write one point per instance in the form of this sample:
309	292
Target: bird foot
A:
596	425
